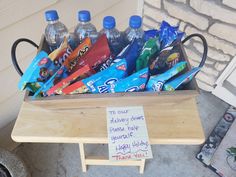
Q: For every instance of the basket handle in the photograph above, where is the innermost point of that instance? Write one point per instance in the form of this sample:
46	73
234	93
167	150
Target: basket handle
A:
205	46
13	53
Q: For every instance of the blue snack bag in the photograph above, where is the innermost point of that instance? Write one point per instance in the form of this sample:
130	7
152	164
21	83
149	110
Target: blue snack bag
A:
135	82
54	79
130	53
168	34
38	72
101	82
156	82
182	79
153	33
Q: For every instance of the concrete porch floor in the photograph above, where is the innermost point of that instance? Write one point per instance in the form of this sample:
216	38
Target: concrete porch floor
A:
63	160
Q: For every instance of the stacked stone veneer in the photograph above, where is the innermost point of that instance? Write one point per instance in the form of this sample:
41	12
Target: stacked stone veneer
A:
215	19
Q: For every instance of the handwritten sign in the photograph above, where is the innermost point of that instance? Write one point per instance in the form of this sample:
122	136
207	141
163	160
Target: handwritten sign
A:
127	133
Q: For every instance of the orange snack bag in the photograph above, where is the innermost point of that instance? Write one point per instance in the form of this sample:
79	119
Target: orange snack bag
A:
72	59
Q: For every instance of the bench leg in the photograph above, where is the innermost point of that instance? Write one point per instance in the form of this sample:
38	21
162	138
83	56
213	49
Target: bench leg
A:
142	165
82	157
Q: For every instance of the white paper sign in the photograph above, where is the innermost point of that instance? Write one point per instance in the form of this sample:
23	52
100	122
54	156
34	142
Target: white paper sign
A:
127	133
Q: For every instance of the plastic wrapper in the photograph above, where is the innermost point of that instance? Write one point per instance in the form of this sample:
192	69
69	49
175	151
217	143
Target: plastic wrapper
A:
53	80
133	83
153	33
102	82
59	55
76	76
166	59
168	34
98	53
75	88
156	83
39	71
130	53
182	79
150	48
74	57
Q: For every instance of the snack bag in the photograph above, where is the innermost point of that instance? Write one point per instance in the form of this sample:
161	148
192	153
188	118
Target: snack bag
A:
168	34
59	55
153	33
39	71
133	83
77	75
130	53
77	87
74	57
53	80
150	48
102	81
166	59
106	64
156	83
98	53
182	79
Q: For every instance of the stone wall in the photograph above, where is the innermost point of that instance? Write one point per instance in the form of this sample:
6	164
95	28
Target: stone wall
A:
215	19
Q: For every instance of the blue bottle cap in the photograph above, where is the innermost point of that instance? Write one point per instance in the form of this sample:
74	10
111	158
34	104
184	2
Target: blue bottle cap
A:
109	22
51	15
84	16
135	21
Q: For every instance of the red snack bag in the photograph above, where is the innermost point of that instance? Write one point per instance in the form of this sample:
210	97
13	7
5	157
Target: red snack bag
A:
97	54
77	87
78	75
73	58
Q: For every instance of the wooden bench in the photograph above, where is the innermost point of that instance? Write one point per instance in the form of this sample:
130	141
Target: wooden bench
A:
172	120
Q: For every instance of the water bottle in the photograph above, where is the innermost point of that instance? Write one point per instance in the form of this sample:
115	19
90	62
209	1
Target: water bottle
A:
113	35
84	27
135	30
55	30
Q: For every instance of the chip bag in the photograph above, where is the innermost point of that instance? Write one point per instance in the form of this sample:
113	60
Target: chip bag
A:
39	71
133	83
156	83
101	82
130	53
74	57
168	34
77	75
98	53
166	59
59	55
175	83
77	87
150	48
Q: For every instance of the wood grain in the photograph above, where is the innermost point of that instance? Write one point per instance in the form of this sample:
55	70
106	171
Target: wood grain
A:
169	121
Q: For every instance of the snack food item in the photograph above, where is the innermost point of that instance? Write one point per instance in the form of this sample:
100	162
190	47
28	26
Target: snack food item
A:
182	79
130	53
59	55
156	83
153	33
97	54
38	72
133	83
77	87
168	34
53	80
150	48
77	75
74	57
102	81
166	59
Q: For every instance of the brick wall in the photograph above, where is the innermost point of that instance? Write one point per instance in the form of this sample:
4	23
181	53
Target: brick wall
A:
215	19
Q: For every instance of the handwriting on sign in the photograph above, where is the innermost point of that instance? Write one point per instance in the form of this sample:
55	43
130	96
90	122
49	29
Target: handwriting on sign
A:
127	133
